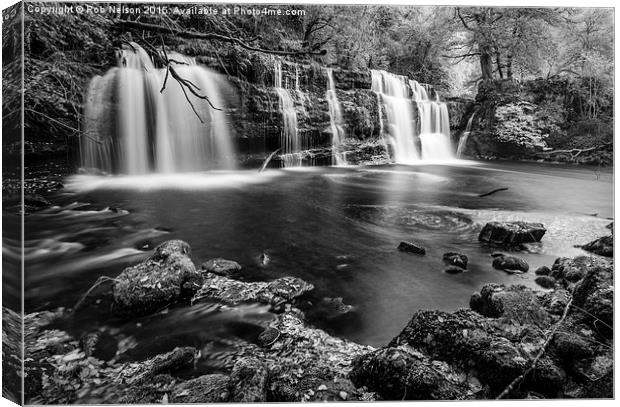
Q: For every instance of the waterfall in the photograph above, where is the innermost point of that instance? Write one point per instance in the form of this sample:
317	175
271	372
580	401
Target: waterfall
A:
412	119
463	140
289	137
335	120
133	128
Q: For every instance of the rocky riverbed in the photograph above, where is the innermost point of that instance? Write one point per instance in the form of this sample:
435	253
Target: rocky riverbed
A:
513	342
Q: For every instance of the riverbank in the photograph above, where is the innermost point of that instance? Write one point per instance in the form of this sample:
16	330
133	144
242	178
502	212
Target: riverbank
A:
513	342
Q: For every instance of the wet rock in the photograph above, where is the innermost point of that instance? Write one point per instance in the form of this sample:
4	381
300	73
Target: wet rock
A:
249	381
36	202
212	388
572	343
603	246
594	295
176	359
168	276
268	337
610	227
574	269
542	271
404	374
516	302
99	344
510	264
545	281
409	247
144	245
511	233
229	291
464	338
455	259
555	301
221	267
453	270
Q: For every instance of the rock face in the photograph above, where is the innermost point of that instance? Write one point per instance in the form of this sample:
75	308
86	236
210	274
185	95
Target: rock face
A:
511	233
166	277
409	247
510	263
229	291
603	246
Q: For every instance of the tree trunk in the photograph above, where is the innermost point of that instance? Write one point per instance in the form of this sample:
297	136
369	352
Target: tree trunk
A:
509	66
498	62
486	62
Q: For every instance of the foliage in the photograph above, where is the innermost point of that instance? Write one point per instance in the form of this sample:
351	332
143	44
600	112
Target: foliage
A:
517	124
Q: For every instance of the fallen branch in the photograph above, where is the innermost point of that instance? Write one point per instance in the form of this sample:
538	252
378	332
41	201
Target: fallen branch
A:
492	192
517	381
266	162
575	151
210	36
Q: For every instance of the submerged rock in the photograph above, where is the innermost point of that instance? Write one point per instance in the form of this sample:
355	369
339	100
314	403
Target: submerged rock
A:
409	247
453	270
510	263
229	291
168	276
603	246
511	233
221	267
455	259
99	344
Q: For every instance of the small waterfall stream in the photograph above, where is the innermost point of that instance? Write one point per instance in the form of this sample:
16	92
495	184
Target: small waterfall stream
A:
418	128
463	139
335	120
289	136
132	128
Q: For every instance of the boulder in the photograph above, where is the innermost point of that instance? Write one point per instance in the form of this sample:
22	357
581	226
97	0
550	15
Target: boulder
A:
166	277
594	294
545	281
221	267
401	373
455	259
229	291
409	247
510	263
603	246
511	233
515	302
249	381
211	388
571	270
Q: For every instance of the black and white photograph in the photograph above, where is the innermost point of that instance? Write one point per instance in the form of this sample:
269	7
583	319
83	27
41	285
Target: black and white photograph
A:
305	202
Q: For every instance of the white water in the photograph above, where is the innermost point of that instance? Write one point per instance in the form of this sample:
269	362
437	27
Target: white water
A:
463	140
429	127
335	120
289	136
151	131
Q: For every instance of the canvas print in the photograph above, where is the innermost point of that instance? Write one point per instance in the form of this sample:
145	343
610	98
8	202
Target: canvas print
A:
235	202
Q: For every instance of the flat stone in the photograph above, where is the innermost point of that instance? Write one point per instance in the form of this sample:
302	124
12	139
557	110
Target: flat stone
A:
409	247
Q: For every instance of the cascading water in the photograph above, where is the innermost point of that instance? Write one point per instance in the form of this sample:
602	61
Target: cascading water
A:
289	137
463	140
133	128
401	97
335	120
